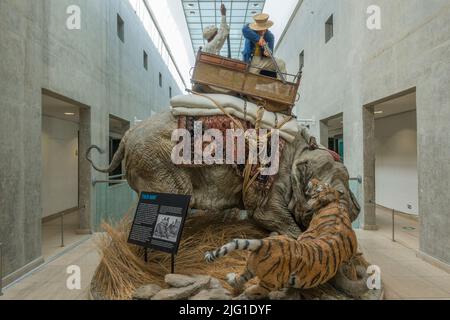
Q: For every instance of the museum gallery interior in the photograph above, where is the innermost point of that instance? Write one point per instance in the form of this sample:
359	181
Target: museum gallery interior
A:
224	150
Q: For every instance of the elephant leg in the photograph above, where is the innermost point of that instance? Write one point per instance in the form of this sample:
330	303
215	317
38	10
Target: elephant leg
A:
277	220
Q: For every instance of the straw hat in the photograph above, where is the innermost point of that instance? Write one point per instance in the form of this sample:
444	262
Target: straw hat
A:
261	23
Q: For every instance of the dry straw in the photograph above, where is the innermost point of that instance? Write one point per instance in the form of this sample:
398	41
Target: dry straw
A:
122	269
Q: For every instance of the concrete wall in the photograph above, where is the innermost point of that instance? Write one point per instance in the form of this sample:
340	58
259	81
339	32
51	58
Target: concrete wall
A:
359	67
396	162
90	66
59	165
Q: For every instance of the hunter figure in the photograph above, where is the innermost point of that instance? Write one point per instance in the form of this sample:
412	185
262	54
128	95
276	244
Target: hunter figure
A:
258	40
216	37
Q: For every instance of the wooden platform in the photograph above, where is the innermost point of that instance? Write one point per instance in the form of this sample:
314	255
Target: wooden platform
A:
233	75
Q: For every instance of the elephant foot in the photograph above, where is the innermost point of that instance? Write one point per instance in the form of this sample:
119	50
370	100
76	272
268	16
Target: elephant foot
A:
292	231
351	279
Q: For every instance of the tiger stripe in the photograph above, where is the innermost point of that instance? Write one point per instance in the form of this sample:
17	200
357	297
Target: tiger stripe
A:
307	262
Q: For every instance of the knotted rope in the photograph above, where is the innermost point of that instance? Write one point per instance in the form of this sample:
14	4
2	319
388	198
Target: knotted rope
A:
248	179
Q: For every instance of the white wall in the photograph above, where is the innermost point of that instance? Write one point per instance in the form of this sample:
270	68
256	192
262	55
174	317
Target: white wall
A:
396	162
60	165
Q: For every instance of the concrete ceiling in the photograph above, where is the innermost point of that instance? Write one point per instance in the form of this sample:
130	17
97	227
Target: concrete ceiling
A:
395	106
335	125
389	108
118	126
56	108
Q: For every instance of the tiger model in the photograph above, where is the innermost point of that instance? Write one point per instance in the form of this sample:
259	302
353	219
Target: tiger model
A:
311	260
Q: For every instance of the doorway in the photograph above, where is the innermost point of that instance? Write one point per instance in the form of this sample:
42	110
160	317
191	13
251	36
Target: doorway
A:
395	177
62	205
332	134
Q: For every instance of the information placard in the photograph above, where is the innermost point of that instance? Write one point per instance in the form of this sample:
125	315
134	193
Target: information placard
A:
159	221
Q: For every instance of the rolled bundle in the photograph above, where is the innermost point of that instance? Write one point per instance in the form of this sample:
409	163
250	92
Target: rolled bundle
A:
196	105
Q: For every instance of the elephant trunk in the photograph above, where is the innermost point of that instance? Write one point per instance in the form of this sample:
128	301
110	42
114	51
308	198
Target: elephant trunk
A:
117	160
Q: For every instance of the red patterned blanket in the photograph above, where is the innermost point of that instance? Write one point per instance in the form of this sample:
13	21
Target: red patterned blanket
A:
224	123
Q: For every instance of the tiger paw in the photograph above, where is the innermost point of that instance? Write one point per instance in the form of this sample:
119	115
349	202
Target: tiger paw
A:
209	257
231	279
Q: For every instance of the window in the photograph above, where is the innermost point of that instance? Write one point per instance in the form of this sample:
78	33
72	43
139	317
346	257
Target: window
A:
302	60
160	80
120	28
170	92
114	143
117	128
329	26
145	60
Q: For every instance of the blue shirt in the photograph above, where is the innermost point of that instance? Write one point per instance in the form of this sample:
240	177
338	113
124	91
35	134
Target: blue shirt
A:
251	39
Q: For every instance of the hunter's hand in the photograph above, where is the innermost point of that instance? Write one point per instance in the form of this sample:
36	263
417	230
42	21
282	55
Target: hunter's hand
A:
262	42
223	10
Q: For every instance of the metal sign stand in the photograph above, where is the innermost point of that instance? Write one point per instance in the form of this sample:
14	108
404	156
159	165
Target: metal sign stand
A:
1	269
172	260
393	225
62	230
172	269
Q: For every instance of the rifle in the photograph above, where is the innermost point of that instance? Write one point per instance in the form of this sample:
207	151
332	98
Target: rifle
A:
277	67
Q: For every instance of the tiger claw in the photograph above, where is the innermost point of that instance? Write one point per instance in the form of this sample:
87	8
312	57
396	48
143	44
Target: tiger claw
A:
209	257
231	279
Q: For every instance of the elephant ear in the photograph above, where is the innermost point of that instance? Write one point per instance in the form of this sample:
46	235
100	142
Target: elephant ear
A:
300	176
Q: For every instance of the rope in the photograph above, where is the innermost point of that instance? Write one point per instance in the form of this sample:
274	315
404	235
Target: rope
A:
248	180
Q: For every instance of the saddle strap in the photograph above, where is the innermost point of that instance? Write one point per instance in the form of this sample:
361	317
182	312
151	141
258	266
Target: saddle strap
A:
248	179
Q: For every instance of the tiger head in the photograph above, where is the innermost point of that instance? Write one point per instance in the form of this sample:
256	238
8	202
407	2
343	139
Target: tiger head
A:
319	194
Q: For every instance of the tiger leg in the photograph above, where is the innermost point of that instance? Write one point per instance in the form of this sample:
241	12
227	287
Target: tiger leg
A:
238	282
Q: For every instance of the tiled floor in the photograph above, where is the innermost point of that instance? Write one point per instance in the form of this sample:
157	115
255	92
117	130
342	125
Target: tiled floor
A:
404	275
406	228
49	281
51	235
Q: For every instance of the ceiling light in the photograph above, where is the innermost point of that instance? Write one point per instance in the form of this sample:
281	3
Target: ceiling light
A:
69	113
191	5
378	112
192	12
256	5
